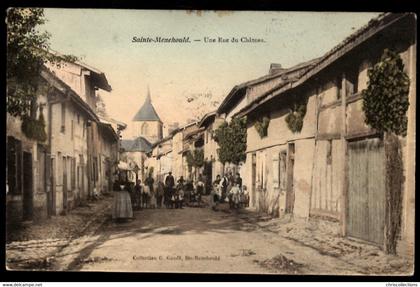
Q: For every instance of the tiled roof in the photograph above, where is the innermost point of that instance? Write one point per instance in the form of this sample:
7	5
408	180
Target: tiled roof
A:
139	144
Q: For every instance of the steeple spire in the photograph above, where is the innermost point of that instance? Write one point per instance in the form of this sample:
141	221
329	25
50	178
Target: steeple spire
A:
147	111
148	97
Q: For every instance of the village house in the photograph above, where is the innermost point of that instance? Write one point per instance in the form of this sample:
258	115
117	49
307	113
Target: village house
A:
101	152
50	176
241	95
160	158
334	167
180	147
27	169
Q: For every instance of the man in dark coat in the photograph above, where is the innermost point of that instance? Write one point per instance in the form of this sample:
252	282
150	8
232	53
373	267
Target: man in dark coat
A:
169	185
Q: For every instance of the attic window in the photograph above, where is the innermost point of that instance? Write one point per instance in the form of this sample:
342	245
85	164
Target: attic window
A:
352	77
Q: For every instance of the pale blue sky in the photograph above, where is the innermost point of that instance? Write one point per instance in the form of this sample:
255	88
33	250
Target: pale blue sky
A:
103	39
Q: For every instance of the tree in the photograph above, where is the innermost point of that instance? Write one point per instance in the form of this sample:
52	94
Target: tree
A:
199	104
232	141
28	50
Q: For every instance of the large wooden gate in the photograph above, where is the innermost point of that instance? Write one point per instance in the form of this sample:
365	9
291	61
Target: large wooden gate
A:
366	190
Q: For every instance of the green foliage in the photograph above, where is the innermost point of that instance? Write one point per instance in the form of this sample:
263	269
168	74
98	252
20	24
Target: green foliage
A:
34	129
296	115
199	157
261	125
232	141
195	159
385	101
27	51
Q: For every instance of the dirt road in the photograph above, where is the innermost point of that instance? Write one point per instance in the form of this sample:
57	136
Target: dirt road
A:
197	240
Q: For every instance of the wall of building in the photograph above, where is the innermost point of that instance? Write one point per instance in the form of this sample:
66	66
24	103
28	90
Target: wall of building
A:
70	143
268	149
14	201
152	133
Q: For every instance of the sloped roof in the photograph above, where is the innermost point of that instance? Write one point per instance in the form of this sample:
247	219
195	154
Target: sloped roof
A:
147	112
374	26
98	77
239	91
139	144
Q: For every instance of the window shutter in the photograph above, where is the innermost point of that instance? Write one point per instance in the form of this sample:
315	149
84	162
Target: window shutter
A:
11	164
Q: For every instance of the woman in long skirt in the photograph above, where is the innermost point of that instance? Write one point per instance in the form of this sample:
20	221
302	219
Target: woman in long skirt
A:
122	208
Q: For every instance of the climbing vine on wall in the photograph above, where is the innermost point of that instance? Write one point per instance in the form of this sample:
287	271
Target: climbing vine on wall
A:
385	100
261	125
295	117
34	128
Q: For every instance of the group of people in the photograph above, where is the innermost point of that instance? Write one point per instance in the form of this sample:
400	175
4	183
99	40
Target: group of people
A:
173	195
229	188
167	193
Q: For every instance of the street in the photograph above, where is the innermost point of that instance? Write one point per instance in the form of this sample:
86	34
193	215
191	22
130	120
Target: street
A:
202	240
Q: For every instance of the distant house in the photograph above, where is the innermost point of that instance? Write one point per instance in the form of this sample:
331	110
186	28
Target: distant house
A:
160	157
134	152
334	167
212	166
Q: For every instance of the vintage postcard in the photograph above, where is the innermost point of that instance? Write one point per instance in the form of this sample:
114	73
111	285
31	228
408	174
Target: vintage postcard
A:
234	142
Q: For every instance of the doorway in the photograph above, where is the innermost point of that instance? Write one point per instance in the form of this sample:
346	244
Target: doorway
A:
27	187
366	190
290	192
254	179
65	185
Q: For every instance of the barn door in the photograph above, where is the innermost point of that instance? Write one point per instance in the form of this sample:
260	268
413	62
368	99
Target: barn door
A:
366	190
28	195
290	192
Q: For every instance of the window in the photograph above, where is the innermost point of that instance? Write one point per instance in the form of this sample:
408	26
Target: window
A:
145	129
84	127
352	77
63	117
78	119
338	83
329	152
14	165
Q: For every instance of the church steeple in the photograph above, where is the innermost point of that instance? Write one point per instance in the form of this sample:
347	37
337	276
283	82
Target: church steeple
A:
146	121
148	97
147	112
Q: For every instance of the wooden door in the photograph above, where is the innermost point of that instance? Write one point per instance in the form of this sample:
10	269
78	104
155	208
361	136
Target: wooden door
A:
28	194
366	190
290	192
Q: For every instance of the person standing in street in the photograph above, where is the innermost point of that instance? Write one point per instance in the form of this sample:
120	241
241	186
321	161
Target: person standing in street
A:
169	184
137	195
160	193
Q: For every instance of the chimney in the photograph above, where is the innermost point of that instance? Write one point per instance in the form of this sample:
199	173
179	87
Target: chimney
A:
275	68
